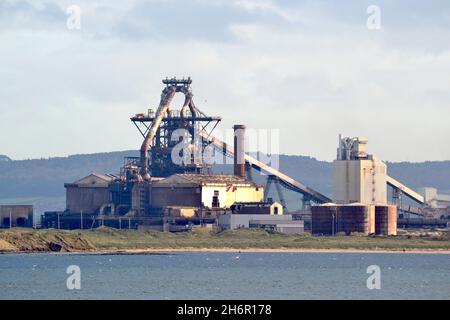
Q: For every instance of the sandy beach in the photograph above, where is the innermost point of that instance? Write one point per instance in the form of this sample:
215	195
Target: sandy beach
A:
111	241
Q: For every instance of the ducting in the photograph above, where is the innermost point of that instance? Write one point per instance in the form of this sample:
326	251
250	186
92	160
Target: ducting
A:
166	98
173	86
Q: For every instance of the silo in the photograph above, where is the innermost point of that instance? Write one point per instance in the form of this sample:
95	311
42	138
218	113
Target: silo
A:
322	218
330	219
356	217
386	220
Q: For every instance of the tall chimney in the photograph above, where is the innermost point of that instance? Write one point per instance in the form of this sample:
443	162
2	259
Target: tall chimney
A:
239	150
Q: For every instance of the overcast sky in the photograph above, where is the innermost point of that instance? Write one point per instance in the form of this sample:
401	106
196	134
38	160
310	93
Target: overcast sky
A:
312	69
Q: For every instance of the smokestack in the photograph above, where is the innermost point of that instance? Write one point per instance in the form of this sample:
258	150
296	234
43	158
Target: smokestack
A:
239	150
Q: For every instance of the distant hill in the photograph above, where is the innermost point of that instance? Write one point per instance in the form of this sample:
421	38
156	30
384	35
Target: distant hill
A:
46	177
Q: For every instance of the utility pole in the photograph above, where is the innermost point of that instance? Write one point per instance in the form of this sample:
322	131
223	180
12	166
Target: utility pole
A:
81	219
332	226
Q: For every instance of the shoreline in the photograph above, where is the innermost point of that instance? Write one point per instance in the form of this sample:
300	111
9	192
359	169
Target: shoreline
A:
111	241
229	250
266	250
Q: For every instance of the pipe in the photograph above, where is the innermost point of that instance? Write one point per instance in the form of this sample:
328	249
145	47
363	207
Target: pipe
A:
166	99
106	205
239	150
185	107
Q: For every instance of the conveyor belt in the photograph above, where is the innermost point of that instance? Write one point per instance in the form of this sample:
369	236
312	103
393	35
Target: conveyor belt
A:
409	192
258	165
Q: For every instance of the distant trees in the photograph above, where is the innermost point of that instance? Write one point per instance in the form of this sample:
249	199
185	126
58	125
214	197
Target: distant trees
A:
46	177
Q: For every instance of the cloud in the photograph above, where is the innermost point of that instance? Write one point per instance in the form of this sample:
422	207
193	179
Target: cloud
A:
264	7
310	69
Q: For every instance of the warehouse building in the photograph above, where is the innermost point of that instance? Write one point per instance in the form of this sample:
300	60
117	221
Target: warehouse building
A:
204	191
279	223
16	216
88	194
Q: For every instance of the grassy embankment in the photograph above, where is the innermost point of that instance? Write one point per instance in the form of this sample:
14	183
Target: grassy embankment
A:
106	239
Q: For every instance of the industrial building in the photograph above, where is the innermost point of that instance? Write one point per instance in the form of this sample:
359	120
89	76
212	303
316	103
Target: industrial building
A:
16	216
279	223
268	207
360	202
155	190
438	201
204	191
89	194
358	176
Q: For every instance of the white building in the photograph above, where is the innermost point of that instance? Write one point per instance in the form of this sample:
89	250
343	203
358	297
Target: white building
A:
357	176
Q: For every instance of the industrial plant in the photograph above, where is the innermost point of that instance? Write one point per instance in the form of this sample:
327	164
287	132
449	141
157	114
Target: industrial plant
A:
155	192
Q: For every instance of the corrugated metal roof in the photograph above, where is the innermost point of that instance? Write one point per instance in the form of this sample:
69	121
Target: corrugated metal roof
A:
95	178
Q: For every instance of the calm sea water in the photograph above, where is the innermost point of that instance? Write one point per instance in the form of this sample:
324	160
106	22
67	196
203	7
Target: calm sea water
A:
223	276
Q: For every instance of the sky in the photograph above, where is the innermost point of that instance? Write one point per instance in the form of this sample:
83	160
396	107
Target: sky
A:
309	69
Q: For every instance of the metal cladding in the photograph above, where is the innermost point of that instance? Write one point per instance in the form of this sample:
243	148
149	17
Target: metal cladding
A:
239	150
90	194
323	220
386	220
356	218
334	219
331	219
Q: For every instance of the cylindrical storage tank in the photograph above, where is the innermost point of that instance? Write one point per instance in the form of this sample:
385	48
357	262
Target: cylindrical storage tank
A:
356	218
386	220
322	219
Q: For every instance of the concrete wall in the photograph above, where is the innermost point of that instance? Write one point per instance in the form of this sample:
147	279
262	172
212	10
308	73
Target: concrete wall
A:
86	199
234	221
22	215
299	228
362	181
178	196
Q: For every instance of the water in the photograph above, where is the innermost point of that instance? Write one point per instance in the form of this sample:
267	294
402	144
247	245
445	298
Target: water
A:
223	276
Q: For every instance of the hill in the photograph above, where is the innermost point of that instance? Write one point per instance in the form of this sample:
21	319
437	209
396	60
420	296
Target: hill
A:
46	177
